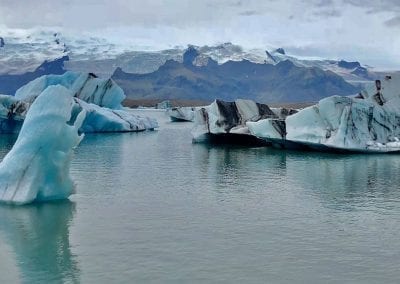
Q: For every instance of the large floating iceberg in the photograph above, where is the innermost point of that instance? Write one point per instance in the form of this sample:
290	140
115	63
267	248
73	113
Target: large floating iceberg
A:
84	86
37	167
225	122
369	122
100	98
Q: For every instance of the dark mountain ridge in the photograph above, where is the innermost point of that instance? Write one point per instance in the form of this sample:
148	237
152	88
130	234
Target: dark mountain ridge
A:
9	84
267	83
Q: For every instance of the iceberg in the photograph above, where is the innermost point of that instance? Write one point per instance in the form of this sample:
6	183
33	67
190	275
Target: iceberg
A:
181	113
100	98
369	122
100	119
225	122
12	114
84	86
37	167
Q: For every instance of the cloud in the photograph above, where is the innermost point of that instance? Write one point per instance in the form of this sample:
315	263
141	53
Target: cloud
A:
375	6
393	22
249	13
91	14
324	3
328	13
390	9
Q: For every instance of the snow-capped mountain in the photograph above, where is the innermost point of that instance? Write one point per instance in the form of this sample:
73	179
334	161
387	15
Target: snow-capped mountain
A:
352	72
22	52
265	83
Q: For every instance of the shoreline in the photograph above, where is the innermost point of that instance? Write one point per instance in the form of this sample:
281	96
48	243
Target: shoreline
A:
136	103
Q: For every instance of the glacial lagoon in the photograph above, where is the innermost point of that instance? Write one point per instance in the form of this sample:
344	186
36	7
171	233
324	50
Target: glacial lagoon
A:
153	207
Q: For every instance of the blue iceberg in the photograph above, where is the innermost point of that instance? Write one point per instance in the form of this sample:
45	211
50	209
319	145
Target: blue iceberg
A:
37	167
84	86
100	98
100	119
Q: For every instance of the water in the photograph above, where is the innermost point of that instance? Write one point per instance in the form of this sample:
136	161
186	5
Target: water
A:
152	207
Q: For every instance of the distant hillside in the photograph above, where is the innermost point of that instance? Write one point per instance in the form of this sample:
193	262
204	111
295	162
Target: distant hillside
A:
10	83
268	83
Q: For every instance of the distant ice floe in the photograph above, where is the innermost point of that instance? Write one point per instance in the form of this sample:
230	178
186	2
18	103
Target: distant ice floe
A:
37	167
225	122
100	98
181	113
369	122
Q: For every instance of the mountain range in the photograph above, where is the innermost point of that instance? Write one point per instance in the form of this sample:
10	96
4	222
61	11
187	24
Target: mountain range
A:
21	53
10	83
262	82
225	71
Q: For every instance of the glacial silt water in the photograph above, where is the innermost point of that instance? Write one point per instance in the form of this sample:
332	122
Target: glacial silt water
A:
153	207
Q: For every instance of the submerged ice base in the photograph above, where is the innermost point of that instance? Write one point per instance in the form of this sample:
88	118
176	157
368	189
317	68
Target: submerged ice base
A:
37	167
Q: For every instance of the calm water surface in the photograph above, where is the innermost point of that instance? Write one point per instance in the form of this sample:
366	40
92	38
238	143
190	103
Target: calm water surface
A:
153	207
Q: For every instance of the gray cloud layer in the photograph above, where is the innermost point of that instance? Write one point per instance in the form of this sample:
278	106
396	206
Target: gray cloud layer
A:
90	14
339	28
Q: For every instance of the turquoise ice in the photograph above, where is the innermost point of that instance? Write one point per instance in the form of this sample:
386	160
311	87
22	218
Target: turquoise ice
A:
37	167
85	86
101	98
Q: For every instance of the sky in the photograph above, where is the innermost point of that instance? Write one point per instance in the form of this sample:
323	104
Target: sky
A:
363	30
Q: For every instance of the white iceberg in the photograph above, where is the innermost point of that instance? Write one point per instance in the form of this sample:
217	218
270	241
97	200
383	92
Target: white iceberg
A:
37	167
181	113
225	122
369	122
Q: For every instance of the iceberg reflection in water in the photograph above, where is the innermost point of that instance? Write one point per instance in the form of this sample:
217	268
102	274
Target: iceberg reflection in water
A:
38	235
171	211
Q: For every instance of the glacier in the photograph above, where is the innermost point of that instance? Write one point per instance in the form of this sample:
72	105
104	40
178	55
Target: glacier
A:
225	122
368	122
37	167
100	98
